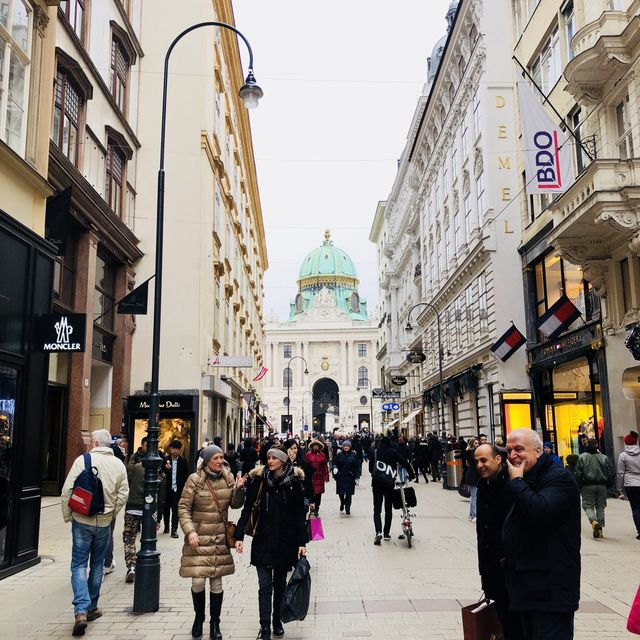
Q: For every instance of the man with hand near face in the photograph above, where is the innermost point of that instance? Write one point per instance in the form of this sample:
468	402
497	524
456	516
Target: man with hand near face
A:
541	536
494	503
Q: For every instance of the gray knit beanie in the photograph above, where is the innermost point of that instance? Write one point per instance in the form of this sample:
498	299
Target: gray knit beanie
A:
209	452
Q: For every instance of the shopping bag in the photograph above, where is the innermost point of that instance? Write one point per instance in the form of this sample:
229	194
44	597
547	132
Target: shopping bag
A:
297	593
315	529
480	621
633	623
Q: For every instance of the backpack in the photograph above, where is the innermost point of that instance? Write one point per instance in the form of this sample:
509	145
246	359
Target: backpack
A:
87	498
383	473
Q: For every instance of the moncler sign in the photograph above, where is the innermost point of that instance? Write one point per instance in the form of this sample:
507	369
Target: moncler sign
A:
62	332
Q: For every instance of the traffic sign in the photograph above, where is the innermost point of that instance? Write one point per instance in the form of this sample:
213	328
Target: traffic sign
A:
395	406
386	406
390	406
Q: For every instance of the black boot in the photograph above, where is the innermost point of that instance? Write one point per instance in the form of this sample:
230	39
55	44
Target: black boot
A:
278	630
265	632
198	606
215	607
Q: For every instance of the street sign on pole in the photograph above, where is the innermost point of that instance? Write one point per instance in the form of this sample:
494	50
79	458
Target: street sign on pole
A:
385	394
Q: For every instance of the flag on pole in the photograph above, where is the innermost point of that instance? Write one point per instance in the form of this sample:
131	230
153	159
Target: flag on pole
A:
558	317
135	302
508	344
548	159
261	374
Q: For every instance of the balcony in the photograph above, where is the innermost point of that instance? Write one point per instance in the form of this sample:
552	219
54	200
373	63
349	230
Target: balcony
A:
604	50
597	215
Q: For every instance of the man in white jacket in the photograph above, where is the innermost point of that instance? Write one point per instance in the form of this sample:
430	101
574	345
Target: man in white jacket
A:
90	534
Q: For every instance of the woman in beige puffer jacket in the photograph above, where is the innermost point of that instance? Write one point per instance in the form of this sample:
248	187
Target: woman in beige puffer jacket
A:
205	553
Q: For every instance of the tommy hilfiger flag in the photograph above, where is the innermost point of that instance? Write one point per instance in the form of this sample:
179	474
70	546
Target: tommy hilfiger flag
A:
261	374
508	344
558	317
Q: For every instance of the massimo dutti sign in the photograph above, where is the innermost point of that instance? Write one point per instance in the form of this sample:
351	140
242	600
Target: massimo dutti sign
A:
62	332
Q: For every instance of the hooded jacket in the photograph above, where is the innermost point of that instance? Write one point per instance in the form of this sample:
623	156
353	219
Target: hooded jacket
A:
318	463
629	467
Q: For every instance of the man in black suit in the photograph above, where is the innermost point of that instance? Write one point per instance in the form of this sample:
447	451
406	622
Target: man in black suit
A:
177	472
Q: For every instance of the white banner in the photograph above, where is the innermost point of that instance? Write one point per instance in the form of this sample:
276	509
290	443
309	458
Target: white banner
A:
548	160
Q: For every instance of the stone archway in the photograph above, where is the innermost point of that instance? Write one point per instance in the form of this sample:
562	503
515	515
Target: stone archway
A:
326	404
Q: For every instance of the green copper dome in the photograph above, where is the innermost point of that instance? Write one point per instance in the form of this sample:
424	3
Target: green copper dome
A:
327	261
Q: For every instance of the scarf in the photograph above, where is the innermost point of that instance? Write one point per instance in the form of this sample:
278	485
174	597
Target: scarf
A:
285	479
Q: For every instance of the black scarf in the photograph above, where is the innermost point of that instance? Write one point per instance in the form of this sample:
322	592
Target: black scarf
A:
285	479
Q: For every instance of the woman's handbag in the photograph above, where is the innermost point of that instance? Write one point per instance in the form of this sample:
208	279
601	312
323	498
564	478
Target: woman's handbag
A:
229	527
633	622
254	516
480	621
464	490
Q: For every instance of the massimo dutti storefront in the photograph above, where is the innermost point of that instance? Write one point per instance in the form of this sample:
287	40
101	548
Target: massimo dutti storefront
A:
26	278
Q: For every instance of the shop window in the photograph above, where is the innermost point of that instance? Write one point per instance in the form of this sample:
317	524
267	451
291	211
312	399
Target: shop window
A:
15	60
64	269
623	128
8	397
363	376
517	408
103	311
115	167
119	73
66	116
287	378
362	350
287	351
74	12
627	301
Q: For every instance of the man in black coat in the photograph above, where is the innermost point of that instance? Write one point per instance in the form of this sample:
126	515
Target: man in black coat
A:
542	540
177	471
435	454
494	502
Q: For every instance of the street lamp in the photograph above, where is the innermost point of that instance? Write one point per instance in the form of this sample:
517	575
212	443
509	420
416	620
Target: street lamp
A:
289	375
441	377
146	596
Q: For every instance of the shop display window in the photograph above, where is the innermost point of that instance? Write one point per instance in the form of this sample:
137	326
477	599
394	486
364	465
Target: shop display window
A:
517	411
170	429
8	394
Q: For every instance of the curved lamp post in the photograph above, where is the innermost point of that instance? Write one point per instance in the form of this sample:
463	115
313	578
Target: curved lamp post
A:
440	375
289	376
146	597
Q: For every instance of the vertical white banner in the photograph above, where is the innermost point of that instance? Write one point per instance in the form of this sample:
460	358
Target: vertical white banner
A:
548	160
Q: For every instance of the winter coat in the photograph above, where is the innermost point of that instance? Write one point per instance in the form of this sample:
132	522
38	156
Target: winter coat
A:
232	460
135	476
541	537
348	471
435	450
248	457
629	467
592	468
389	456
281	527
494	502
182	472
198	512
472	477
115	487
318	464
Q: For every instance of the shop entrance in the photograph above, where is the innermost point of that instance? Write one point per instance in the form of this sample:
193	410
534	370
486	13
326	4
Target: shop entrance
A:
573	406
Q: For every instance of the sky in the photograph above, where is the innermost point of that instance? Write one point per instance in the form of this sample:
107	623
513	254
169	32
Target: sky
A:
341	79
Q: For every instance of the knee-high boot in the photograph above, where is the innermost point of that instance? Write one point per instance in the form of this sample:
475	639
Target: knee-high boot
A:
215	607
198	598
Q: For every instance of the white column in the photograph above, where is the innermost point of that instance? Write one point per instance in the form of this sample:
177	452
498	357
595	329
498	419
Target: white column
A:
343	362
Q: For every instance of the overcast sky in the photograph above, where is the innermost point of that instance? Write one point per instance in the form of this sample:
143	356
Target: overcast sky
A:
341	80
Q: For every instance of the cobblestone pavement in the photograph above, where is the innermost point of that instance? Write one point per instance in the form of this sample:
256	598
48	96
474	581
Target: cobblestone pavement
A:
359	590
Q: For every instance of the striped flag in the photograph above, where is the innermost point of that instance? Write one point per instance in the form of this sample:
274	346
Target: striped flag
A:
558	317
508	344
261	374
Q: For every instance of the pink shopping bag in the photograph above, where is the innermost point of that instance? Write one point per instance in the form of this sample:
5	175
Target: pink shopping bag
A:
633	623
315	526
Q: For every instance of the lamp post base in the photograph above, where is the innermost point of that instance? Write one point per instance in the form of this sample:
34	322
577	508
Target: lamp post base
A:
146	594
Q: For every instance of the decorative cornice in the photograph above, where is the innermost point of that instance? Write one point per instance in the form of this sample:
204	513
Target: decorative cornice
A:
596	272
620	220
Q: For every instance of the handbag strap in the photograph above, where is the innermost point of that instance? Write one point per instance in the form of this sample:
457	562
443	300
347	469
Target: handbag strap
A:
215	497
256	502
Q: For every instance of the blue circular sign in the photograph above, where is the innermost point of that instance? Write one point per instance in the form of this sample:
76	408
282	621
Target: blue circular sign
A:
386	406
395	407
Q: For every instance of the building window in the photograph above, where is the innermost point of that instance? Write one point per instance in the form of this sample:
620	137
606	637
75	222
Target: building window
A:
64	274
454	164
66	117
465	140
15	47
468	218
119	73
627	302
457	231
287	351
547	66
115	166
73	11
105	293
468	312
362	350
576	118
476	114
483	306
363	377
517	16
448	250
481	198
623	127
569	27
287	378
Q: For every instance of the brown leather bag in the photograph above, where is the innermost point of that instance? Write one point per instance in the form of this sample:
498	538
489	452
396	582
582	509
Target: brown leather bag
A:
254	516
229	527
480	621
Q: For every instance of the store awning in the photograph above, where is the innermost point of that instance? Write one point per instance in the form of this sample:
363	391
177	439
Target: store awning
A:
390	424
413	414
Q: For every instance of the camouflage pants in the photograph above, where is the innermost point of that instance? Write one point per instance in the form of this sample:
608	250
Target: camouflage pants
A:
132	526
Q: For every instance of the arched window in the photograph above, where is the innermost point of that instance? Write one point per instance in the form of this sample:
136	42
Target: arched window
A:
287	378
363	377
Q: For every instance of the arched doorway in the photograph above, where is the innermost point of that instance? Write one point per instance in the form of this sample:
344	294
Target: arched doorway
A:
326	404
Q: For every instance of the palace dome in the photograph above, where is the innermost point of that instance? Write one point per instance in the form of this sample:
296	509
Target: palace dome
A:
327	265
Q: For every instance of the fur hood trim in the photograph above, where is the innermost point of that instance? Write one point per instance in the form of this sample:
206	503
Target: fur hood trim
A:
320	444
257	472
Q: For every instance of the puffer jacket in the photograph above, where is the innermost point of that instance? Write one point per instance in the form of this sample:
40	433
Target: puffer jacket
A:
318	463
629	467
198	512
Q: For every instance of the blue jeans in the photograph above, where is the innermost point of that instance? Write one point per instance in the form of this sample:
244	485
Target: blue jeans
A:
89	547
474	501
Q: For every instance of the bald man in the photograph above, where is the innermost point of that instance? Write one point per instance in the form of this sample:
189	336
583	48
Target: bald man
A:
541	535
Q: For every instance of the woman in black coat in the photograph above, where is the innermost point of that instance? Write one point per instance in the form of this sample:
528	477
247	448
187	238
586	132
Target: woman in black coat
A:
346	471
280	535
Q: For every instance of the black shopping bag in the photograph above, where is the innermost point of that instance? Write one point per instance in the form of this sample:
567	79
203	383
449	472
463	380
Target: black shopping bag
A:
480	621
297	593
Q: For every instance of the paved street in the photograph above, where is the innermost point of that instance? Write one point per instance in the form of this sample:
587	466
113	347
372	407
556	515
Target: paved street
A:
359	590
